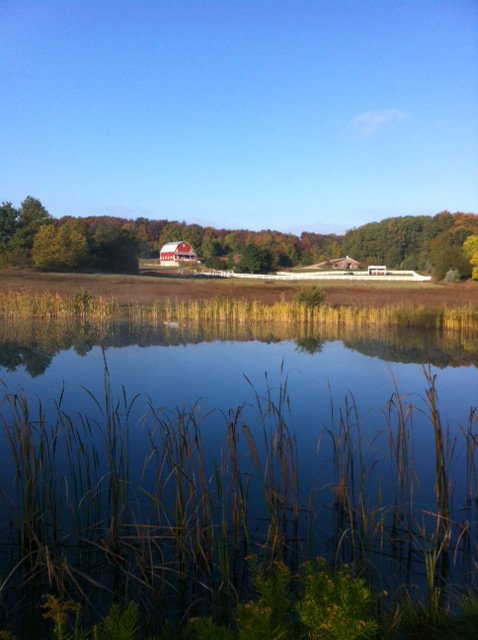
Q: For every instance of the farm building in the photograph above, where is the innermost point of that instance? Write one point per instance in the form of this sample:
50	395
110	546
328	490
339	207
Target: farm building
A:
173	253
343	264
377	270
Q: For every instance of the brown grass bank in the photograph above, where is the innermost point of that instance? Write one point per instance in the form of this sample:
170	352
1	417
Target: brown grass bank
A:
149	289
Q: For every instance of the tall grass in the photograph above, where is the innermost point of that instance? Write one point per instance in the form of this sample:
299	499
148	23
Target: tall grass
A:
174	532
236	312
45	304
240	312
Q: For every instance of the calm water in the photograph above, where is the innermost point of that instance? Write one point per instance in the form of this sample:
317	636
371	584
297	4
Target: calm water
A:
170	367
175	366
319	382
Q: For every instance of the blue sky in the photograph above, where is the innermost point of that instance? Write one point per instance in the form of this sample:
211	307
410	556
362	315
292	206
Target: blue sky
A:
292	115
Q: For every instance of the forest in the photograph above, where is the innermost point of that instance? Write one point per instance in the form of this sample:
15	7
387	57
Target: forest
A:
445	245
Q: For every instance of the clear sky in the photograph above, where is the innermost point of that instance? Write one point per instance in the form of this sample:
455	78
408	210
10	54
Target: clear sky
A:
285	114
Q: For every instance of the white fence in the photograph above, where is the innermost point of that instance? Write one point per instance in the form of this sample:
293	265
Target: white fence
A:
394	276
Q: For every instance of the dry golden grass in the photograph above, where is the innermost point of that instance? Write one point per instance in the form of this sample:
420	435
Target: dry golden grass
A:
150	289
234	312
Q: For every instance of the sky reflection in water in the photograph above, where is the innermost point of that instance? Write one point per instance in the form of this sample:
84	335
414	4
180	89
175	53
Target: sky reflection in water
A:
221	375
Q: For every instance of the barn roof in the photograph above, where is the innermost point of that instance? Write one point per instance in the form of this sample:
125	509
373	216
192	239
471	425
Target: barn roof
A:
170	246
337	260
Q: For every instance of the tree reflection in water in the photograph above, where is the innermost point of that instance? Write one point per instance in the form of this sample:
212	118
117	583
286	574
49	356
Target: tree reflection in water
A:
34	344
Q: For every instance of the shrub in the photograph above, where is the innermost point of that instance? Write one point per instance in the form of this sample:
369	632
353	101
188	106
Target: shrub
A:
120	624
215	263
452	275
60	613
206	629
267	616
311	297
335	605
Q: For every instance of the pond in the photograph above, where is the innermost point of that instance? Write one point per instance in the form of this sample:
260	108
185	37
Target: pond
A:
356	446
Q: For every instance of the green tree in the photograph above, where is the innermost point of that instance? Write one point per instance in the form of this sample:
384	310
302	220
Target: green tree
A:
140	232
425	242
333	251
32	213
116	249
446	250
254	260
216	263
171	232
31	216
210	248
8	228
444	255
231	241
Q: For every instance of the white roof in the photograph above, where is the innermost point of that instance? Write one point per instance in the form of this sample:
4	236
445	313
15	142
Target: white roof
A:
172	247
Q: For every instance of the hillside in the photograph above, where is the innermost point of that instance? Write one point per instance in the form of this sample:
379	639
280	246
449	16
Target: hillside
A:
30	236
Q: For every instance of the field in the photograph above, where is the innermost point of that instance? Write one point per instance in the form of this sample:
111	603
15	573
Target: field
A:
149	289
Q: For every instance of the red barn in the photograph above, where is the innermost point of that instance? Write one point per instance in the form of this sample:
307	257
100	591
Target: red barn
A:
175	252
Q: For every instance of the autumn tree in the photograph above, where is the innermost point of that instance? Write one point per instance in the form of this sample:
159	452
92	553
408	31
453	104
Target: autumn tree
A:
62	247
470	247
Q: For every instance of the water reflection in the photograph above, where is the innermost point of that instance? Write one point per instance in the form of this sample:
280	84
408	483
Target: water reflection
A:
34	344
309	344
225	439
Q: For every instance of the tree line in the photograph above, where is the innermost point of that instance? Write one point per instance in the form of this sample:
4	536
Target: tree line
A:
431	244
31	237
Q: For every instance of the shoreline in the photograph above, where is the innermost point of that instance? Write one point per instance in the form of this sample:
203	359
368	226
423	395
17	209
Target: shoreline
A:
151	289
234	312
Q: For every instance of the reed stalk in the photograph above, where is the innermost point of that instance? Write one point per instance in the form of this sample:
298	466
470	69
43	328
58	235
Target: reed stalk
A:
237	312
83	519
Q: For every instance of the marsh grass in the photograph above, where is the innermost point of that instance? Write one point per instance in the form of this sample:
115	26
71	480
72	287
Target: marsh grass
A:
239	312
82	522
27	304
235	312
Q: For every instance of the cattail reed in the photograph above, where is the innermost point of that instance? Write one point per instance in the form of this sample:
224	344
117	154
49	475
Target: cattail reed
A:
237	312
83	518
